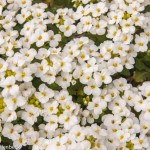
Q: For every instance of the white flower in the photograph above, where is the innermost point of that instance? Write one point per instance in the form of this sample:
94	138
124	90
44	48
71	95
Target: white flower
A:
92	88
81	11
42	53
90	66
10	88
13	102
114	33
99	144
68	28
64	80
70	143
98	9
54	38
43	133
111	120
3	3
141	44
121	48
30	114
69	106
40	23
115	65
84	145
84	103
85	1
24	75
147	111
21	141
51	108
53	17
35	140
55	51
132	126
3	65
138	20
83	56
26	42
57	143
121	84
71	50
85	78
118	101
10	131
121	111
27	89
141	142
68	121
44	93
24	3
42	68
8	115
28	29
86	23
135	8
7	48
115	17
39	13
40	37
129	97
28	54
77	133
98	131
98	27
52	124
65	64
129	62
49	77
62	96
1	38
62	12
91	117
144	88
144	124
97	105
8	22
105	51
103	77
140	104
127	26
122	136
146	33
22	17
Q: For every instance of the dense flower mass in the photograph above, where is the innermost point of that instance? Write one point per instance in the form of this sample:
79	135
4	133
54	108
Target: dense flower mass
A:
57	86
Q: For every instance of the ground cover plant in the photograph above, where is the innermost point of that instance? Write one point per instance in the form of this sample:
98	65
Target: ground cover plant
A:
75	74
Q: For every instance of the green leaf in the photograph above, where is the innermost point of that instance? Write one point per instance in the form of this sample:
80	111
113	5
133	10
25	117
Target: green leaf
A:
125	72
72	91
48	2
147	9
140	76
55	86
36	82
139	65
146	60
98	39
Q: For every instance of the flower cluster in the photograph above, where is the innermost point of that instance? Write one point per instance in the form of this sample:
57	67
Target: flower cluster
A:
58	95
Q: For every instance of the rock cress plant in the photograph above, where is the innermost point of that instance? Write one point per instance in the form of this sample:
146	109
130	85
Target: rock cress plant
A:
58	90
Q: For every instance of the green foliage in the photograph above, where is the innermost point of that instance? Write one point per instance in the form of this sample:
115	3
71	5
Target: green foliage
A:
125	73
139	74
142	68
